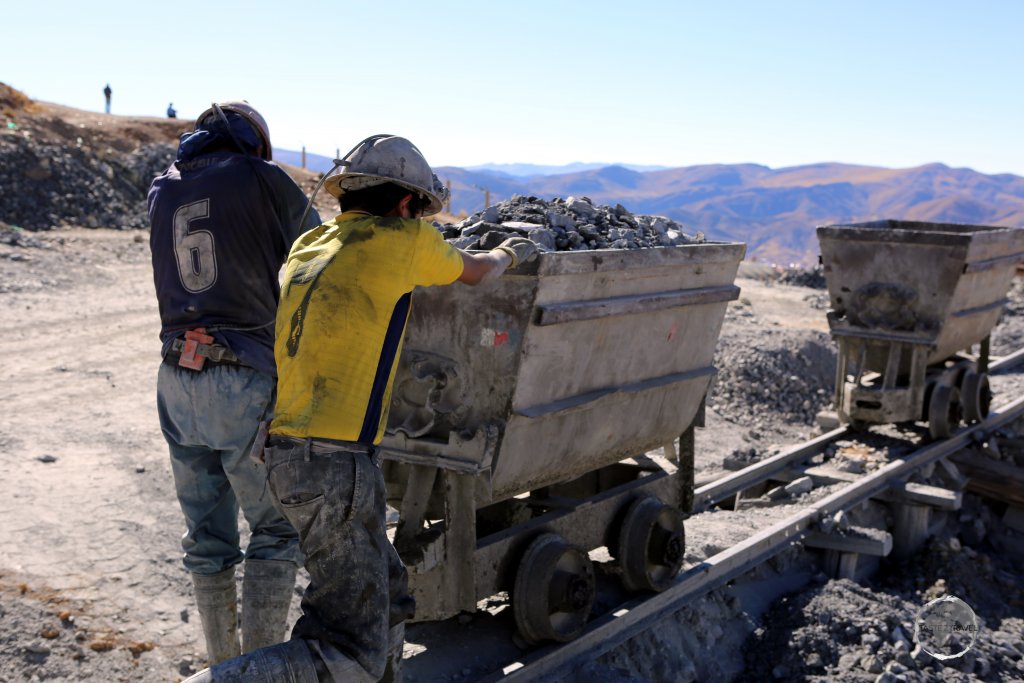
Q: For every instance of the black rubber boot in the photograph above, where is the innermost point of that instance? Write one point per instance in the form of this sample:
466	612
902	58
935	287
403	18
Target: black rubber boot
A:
217	601
267	588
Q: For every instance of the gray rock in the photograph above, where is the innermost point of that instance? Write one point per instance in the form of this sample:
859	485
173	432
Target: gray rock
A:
982	667
872	664
871	641
493	239
480	228
560	220
660	224
522	227
580	206
544	238
466	242
491	214
799	486
814	661
848	661
842	520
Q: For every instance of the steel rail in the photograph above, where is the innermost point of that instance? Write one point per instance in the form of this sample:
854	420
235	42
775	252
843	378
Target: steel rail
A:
635	616
1006	361
710	494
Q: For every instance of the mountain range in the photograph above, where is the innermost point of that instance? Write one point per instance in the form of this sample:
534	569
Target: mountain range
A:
774	211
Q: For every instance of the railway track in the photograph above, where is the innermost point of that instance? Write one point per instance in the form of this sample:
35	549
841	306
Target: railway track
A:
606	631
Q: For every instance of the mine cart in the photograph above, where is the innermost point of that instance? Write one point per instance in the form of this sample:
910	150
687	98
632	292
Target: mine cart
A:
910	301
522	413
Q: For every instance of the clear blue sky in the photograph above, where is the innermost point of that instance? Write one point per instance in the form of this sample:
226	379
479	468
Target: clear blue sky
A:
893	83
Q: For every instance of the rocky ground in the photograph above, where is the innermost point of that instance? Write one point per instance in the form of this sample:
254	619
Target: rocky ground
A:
91	585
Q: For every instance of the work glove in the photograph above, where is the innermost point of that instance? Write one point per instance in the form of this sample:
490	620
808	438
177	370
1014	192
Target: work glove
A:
520	249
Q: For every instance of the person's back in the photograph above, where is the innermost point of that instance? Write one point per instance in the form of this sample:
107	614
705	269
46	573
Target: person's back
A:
222	219
383	259
218	240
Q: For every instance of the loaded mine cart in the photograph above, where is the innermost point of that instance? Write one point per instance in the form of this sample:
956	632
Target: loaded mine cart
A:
522	413
912	308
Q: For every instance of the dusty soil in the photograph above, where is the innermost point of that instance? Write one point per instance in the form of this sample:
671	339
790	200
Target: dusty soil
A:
91	585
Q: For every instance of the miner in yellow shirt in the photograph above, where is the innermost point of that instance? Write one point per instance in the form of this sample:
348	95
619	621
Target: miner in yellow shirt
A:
344	305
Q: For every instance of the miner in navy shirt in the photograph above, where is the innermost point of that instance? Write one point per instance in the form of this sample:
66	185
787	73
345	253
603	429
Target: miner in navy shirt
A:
223	218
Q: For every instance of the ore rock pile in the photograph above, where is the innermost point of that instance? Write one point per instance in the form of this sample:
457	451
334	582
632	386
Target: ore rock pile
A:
1008	335
47	185
572	224
766	375
813	278
63	166
844	632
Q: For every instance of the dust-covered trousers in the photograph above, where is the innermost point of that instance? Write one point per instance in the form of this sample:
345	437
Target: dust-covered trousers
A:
209	419
358	586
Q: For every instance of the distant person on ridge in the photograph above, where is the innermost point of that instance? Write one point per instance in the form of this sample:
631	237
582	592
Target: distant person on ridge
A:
223	219
106	96
340	325
171	114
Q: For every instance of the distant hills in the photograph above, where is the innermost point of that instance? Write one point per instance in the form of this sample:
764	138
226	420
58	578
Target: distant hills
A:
774	211
527	170
322	164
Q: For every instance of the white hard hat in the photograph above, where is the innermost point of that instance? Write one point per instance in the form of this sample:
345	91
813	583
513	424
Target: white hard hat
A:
247	112
381	159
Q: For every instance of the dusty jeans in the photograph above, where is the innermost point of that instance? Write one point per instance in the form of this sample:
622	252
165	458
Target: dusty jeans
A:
209	419
358	585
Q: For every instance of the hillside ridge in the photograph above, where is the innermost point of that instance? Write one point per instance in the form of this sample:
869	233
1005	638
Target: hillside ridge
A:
108	161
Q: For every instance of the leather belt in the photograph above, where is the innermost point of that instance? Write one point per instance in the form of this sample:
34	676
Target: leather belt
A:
213	353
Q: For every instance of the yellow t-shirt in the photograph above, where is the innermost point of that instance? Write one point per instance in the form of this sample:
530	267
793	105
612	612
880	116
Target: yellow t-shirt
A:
341	320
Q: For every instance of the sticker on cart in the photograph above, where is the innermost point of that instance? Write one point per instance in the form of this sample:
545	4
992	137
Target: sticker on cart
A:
494	338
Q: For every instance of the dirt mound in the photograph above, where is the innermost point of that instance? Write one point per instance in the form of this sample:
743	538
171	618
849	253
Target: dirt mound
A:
845	632
13	101
61	166
772	375
1008	335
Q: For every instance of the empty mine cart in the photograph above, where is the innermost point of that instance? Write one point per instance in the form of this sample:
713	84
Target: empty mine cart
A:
909	303
521	417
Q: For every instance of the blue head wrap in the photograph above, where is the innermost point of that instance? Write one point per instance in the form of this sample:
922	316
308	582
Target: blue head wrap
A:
213	132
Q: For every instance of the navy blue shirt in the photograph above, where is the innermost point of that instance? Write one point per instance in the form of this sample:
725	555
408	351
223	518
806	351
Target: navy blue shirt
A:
222	225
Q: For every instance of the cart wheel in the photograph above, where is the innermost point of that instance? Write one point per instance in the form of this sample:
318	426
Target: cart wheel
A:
859	425
976	396
929	389
554	590
650	546
944	411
